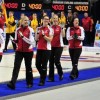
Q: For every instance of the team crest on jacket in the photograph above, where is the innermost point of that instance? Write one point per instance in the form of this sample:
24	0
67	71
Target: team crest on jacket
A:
57	29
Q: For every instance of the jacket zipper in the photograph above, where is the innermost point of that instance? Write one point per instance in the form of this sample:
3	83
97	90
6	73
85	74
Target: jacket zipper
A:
22	40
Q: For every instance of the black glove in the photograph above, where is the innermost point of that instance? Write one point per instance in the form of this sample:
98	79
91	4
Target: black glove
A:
75	36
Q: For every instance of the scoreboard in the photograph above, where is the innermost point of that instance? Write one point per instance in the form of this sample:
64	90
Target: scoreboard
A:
78	6
62	7
75	5
18	5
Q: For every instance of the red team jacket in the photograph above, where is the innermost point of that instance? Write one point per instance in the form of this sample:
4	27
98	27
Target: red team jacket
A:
2	20
24	44
87	23
75	43
42	43
57	37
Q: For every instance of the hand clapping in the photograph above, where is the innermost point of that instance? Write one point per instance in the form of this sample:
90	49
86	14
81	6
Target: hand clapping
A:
21	34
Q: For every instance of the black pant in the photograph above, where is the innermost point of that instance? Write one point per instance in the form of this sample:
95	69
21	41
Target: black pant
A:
0	58
7	40
65	40
17	63
87	40
75	54
56	53
42	58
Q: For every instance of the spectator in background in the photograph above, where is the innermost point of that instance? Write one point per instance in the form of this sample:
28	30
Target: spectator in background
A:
34	22
51	19
62	19
68	23
93	32
10	29
87	24
20	21
69	19
75	15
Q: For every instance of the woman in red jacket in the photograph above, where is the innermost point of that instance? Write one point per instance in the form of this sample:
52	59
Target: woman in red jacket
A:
2	21
2	35
24	39
57	49
44	37
75	36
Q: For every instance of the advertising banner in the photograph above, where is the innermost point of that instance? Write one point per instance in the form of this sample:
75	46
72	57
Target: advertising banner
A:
97	36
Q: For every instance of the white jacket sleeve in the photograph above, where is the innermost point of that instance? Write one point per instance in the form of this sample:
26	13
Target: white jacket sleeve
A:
31	39
16	33
2	40
68	34
82	34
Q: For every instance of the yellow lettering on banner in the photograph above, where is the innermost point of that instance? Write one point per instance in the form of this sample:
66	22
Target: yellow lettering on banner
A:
81	8
35	6
77	8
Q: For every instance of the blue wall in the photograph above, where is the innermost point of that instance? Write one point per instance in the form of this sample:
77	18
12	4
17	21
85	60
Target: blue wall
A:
29	13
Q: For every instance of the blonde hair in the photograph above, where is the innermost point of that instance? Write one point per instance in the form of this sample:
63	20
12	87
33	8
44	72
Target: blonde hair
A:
25	17
56	16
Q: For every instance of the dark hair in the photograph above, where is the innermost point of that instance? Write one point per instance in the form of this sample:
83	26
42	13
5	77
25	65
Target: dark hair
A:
71	25
45	16
76	14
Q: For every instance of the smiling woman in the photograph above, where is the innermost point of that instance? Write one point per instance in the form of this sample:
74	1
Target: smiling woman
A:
25	20
24	39
44	37
75	36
